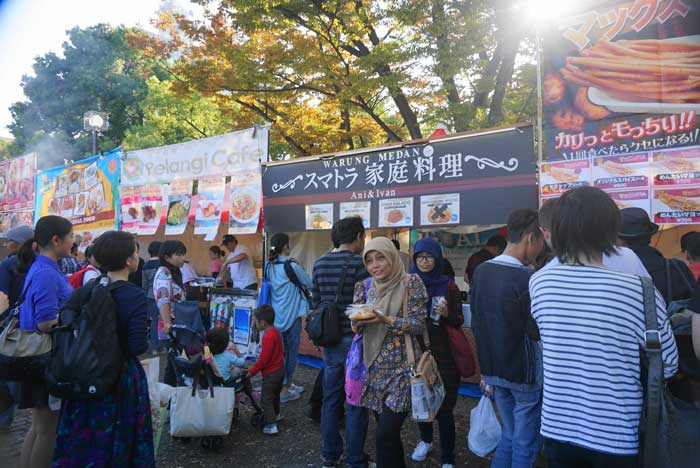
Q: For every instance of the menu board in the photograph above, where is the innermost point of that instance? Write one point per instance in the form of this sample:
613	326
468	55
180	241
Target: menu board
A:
558	177
362	209
677	205
439	209
151	208
319	217
676	186
131	209
17	178
621	172
396	212
179	204
210	205
245	201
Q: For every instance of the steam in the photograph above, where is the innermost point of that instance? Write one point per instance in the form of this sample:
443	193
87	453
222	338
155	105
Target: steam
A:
51	151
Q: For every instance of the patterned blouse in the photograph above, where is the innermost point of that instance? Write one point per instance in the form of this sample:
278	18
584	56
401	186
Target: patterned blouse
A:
388	379
166	291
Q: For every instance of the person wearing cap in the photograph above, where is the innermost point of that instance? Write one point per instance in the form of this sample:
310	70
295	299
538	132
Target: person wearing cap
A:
239	264
11	283
672	278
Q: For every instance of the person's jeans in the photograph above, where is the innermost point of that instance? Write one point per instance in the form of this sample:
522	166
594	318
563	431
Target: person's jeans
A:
270	397
388	439
7	416
356	421
520	414
156	345
446	423
333	398
563	455
291	339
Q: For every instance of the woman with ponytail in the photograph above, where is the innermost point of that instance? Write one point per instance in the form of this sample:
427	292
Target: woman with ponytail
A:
288	284
45	292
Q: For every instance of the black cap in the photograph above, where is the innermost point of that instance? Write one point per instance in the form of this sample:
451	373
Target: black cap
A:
636	223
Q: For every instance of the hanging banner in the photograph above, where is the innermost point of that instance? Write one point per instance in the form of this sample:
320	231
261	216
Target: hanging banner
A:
131	208
151	218
85	192
622	78
179	204
17	177
245	202
493	172
221	156
9	220
210	203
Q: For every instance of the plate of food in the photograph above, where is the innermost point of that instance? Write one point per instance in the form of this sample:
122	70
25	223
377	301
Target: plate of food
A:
395	216
678	203
149	214
319	221
617	169
209	209
439	214
245	205
178	211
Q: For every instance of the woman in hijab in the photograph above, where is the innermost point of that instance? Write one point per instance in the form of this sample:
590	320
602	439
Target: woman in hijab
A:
387	387
444	310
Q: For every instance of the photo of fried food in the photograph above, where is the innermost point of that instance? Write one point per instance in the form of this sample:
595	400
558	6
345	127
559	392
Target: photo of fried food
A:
587	108
611	167
439	214
562	174
677	164
149	214
395	216
554	88
647	70
359	312
568	119
318	221
676	202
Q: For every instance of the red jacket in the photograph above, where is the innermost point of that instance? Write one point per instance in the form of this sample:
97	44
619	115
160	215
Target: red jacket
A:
272	354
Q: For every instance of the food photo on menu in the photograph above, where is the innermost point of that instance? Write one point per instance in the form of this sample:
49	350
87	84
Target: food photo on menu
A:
81	203
75	179
677	205
96	199
179	210
679	167
245	205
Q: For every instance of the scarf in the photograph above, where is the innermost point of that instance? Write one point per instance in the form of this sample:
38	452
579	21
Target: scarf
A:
387	295
435	281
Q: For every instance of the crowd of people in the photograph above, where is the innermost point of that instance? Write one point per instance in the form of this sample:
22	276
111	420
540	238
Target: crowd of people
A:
557	314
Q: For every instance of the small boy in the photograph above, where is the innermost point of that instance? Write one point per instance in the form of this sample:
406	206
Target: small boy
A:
226	358
271	364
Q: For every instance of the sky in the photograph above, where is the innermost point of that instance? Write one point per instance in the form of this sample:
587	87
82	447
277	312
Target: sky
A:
31	28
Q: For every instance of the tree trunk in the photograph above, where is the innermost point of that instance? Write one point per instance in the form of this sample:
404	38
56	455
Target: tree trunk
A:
505	74
401	101
346	138
485	84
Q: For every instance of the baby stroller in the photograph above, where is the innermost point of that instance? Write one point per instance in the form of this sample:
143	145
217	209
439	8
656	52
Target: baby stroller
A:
241	383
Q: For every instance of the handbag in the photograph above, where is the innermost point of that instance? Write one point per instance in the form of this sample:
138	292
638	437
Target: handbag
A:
670	428
354	372
427	389
461	351
24	354
323	323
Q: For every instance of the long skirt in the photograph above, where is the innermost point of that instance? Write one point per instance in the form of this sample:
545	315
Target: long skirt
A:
114	432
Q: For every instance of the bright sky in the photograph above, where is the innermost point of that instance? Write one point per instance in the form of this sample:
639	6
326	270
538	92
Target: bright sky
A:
30	28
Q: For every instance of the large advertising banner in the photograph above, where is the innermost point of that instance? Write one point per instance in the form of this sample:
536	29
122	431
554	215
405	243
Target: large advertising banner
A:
87	193
17	178
623	78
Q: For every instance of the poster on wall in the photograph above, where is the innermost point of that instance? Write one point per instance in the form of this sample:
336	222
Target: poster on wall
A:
179	204
85	192
17	178
439	209
12	219
319	217
151	208
676	205
675	168
210	205
558	177
621	172
622	78
245	202
396	212
362	209
131	208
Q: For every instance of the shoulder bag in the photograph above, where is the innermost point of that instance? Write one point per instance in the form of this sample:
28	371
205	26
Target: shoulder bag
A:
323	323
670	428
427	389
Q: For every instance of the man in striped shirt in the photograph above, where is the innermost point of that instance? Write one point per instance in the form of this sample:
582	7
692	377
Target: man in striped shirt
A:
591	322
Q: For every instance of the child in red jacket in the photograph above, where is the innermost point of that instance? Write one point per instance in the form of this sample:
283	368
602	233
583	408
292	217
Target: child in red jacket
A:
271	364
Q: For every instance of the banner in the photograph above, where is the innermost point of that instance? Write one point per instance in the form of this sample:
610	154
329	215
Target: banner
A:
179	204
9	220
245	202
151	208
220	156
623	78
17	178
210	204
131	208
85	192
477	179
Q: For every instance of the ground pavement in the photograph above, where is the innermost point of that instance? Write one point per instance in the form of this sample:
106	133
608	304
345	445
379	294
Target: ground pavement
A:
297	445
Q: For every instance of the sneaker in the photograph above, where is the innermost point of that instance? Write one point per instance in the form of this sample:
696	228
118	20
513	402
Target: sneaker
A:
279	418
289	396
422	450
270	429
329	464
296	388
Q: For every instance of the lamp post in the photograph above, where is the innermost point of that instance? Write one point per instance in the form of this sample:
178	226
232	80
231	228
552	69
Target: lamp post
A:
94	122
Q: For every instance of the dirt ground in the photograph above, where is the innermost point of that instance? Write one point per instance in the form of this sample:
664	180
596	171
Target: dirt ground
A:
299	442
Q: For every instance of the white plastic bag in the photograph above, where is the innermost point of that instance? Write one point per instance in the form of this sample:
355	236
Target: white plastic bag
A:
151	367
484	428
201	415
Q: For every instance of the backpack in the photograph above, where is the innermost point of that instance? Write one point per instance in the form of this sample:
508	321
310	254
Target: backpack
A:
86	359
76	279
323	323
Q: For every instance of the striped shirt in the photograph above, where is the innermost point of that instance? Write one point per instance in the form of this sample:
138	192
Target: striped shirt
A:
326	276
591	321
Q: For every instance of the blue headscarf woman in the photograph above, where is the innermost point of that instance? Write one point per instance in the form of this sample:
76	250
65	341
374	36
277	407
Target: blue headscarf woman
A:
444	310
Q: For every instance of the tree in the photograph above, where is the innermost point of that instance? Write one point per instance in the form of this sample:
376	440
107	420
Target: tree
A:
98	71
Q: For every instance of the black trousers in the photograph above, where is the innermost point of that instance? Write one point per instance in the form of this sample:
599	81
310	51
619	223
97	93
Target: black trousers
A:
388	439
563	455
270	398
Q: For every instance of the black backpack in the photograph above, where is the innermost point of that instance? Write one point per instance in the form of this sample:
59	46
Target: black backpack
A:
323	324
86	359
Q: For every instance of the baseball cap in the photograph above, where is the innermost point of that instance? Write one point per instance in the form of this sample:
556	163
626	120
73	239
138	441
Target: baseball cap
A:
20	234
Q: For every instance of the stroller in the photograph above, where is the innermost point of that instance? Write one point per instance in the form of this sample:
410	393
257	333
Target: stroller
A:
188	336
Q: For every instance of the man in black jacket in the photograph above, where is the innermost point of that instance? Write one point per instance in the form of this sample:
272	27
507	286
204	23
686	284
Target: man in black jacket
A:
672	278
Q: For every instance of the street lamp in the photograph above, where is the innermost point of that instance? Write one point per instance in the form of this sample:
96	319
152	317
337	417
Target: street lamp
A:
95	122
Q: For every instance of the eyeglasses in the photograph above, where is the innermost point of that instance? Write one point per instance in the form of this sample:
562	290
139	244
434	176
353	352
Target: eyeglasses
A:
424	258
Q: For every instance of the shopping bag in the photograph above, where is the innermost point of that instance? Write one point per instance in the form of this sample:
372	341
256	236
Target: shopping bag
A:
151	367
354	372
201	413
484	428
